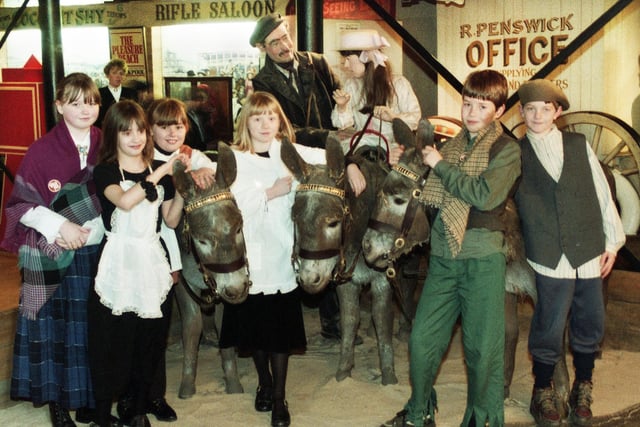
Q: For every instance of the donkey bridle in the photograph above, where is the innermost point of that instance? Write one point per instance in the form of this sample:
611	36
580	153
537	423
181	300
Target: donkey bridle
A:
340	274
409	216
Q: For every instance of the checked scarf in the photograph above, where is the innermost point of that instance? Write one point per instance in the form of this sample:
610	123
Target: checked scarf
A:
44	264
52	160
453	210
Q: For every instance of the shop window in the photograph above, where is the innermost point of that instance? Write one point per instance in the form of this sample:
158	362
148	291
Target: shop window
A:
214	50
211	98
86	50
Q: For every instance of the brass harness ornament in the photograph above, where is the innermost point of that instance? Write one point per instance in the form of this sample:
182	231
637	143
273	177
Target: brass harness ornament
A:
223	195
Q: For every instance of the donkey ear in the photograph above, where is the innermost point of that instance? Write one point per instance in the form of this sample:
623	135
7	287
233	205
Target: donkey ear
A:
425	134
226	171
292	160
183	181
335	157
402	133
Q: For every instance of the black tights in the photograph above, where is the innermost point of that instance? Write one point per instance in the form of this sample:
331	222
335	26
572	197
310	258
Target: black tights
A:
276	377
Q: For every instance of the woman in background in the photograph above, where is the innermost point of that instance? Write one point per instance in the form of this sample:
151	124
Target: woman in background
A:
372	96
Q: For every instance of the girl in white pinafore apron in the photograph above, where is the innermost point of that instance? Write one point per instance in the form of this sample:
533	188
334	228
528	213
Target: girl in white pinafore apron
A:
127	283
126	333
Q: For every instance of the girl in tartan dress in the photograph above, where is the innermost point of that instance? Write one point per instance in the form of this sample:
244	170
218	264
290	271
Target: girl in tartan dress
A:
53	223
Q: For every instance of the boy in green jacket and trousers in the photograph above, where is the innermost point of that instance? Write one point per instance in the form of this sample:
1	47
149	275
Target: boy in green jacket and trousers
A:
471	177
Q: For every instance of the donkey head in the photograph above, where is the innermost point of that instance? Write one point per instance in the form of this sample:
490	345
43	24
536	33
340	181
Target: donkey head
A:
318	213
213	228
398	221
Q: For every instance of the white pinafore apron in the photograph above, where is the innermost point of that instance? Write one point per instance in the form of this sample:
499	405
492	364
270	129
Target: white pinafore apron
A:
133	273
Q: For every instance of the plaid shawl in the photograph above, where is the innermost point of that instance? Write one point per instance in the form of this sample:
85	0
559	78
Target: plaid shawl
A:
43	264
455	211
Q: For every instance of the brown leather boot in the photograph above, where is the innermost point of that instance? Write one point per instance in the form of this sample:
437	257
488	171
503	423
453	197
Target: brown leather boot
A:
580	402
543	407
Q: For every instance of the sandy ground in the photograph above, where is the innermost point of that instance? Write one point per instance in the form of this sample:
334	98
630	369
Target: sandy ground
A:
317	400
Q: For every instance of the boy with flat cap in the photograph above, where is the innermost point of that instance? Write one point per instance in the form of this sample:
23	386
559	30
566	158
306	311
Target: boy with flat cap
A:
572	232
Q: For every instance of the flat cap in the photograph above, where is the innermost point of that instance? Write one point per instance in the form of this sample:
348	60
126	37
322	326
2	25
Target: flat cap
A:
542	90
264	27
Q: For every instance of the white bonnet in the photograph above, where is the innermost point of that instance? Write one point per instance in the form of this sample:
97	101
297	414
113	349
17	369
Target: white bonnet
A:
362	40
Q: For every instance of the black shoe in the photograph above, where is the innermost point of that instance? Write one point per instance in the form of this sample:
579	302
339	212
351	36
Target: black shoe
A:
280	414
125	409
85	415
113	422
400	420
60	416
140	421
162	411
334	336
264	399
89	416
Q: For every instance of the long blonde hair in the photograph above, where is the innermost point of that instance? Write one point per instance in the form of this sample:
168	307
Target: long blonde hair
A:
260	103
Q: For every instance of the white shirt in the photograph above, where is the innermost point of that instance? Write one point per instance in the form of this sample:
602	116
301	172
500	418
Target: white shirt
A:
285	73
199	160
550	152
115	91
267	224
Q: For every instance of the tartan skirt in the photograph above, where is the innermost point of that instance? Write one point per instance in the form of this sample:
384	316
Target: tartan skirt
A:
50	359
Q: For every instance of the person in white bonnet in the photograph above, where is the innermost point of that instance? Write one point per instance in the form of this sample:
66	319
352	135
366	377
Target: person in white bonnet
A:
372	88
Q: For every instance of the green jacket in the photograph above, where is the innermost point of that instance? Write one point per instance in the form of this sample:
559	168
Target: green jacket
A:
485	192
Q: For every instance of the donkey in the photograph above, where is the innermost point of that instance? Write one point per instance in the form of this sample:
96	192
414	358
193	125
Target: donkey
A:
394	230
330	223
214	263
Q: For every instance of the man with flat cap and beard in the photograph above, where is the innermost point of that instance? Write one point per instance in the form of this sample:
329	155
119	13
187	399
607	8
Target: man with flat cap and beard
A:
301	81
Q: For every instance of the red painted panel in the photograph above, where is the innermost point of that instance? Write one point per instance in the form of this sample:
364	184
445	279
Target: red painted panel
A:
22	121
21	114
